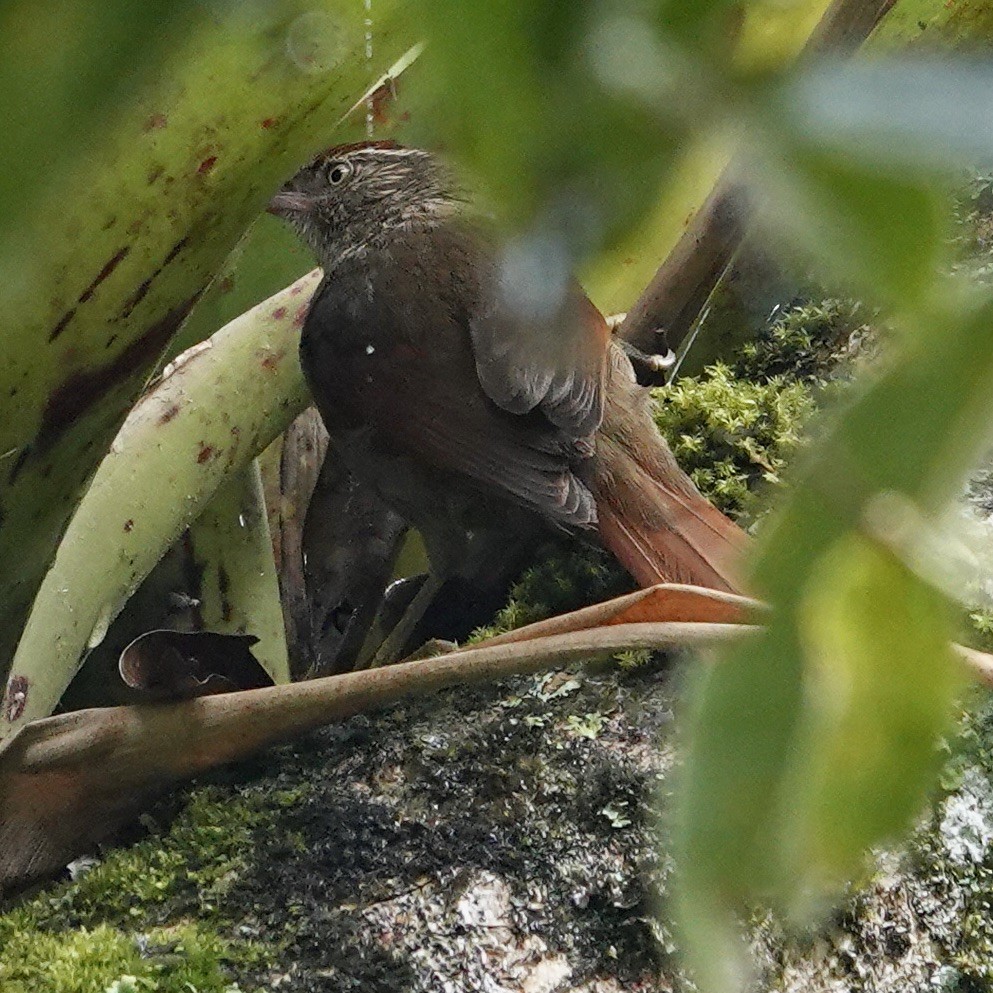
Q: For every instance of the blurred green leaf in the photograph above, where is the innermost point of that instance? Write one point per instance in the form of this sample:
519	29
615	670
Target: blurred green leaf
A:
908	114
761	735
557	108
881	232
698	23
881	680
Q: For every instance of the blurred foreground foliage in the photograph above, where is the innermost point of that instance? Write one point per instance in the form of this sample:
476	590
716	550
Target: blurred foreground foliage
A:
120	204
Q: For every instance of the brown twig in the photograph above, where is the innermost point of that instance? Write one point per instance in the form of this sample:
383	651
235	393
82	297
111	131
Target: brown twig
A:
66	782
673	601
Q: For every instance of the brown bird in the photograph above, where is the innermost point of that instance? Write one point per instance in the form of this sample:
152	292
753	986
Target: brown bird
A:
478	392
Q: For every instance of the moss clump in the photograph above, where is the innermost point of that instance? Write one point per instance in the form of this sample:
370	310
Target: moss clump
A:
133	914
973	242
807	343
730	434
180	958
567	577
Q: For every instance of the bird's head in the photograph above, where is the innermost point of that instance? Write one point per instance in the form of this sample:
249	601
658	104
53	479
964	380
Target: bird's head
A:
350	196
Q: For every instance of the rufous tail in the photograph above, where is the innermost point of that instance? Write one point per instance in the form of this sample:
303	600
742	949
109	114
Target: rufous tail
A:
651	517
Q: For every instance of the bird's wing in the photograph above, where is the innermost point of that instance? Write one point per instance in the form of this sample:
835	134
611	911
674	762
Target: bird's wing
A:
386	345
539	343
554	361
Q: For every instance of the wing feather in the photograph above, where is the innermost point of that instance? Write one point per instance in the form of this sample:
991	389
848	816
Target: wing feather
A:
405	365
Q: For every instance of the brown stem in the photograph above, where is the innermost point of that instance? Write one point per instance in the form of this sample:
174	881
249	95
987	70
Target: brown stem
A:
672	601
673	299
66	782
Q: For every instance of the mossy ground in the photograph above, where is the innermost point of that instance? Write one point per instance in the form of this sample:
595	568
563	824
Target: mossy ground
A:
394	853
390	853
151	915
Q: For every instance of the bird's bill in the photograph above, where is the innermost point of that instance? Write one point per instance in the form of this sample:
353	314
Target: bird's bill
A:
287	203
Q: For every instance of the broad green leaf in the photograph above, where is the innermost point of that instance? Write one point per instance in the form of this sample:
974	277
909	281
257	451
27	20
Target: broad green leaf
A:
101	279
65	67
220	407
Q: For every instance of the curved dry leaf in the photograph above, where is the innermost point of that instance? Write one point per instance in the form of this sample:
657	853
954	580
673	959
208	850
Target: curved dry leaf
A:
177	665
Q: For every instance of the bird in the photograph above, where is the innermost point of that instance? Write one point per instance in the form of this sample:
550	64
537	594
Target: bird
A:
479	409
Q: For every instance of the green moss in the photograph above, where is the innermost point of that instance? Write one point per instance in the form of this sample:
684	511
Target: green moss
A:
566	577
974	229
132	914
979	629
181	958
807	343
730	434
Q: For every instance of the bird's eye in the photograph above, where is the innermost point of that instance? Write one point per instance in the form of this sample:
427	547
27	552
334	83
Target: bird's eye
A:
338	172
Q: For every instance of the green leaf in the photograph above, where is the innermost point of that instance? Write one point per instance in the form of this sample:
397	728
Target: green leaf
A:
882	232
64	69
118	251
880	683
201	425
697	23
772	724
565	111
909	114
230	548
937	27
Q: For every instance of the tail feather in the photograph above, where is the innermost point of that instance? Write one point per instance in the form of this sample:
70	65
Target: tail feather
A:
684	540
651	516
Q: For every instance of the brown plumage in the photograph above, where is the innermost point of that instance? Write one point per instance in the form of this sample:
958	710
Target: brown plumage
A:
470	406
651	516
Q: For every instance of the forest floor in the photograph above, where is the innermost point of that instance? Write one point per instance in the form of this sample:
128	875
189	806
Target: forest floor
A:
503	839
